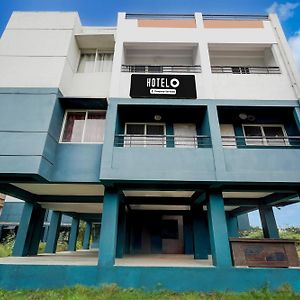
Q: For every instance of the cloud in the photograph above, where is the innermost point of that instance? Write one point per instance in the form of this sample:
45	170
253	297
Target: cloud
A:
284	11
294	42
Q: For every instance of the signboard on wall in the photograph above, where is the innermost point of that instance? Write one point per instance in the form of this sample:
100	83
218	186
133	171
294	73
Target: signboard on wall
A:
163	86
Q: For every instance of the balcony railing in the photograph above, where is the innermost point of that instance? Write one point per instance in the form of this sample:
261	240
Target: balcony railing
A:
161	16
235	17
245	70
141	140
261	141
161	69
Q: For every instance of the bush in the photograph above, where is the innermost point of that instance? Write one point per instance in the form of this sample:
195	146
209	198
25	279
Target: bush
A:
7	246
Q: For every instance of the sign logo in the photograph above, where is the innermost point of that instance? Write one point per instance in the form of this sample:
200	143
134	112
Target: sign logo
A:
163	86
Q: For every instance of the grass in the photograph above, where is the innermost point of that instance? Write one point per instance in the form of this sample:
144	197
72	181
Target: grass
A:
115	293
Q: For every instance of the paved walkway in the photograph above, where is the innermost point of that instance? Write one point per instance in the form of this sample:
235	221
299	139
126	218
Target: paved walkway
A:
90	258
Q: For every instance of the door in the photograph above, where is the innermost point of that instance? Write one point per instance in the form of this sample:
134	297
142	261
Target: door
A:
185	135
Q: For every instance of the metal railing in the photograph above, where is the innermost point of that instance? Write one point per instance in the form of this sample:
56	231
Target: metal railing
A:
161	16
161	69
142	140
234	17
261	141
245	70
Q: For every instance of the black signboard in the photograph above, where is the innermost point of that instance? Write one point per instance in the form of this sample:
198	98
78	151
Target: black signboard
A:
163	86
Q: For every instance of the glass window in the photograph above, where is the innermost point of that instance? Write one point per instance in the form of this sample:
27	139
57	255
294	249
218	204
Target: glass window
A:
95	62
274	135
84	126
268	135
74	127
142	135
94	127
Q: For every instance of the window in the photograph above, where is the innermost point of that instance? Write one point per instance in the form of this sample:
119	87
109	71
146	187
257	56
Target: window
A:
144	135
95	61
83	127
265	135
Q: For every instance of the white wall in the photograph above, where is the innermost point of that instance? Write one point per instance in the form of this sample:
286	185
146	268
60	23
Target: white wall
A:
210	86
34	48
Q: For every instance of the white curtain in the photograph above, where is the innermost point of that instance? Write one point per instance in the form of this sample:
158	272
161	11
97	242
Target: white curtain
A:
86	64
104	62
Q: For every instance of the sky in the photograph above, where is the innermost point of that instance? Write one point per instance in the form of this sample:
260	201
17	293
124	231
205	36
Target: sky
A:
104	13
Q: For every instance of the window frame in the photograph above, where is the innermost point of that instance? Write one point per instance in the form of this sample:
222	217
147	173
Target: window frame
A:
264	140
145	133
96	53
86	111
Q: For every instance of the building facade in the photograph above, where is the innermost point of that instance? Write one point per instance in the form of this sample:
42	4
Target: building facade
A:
163	130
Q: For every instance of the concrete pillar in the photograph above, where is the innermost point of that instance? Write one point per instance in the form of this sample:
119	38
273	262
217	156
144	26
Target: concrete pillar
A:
73	235
232	226
243	222
30	230
188	234
87	236
268	222
109	228
220	249
200	230
121	236
53	232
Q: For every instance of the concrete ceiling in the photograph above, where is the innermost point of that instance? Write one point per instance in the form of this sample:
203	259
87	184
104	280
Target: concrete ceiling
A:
62	189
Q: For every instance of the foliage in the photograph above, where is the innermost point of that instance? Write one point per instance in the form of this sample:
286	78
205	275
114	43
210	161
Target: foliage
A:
116	293
7	245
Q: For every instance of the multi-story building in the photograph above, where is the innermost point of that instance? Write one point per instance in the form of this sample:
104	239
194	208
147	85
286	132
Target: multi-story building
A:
164	129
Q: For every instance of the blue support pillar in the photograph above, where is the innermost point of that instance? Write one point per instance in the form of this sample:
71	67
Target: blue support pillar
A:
30	230
220	249
268	222
109	228
87	236
232	226
188	234
53	232
200	230
73	234
243	222
121	231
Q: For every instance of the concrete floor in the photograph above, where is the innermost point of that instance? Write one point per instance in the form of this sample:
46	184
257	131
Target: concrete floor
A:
90	258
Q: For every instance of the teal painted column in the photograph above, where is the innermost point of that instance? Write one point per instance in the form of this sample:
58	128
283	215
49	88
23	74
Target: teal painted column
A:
30	230
53	233
216	139
121	231
243	222
297	116
220	249
268	222
232	226
188	235
200	230
73	235
109	228
87	236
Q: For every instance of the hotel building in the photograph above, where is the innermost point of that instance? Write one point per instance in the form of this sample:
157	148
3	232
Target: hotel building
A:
162	131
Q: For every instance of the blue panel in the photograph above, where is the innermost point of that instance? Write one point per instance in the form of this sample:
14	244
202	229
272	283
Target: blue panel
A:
12	212
77	163
25	120
177	279
266	164
160	164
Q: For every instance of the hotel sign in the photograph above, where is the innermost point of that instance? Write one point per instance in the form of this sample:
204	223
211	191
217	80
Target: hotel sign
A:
163	86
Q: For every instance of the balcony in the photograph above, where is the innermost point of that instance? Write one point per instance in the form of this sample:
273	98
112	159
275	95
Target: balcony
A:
170	141
245	70
261	141
161	68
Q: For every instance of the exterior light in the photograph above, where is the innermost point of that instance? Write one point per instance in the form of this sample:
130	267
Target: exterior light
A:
157	117
243	116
